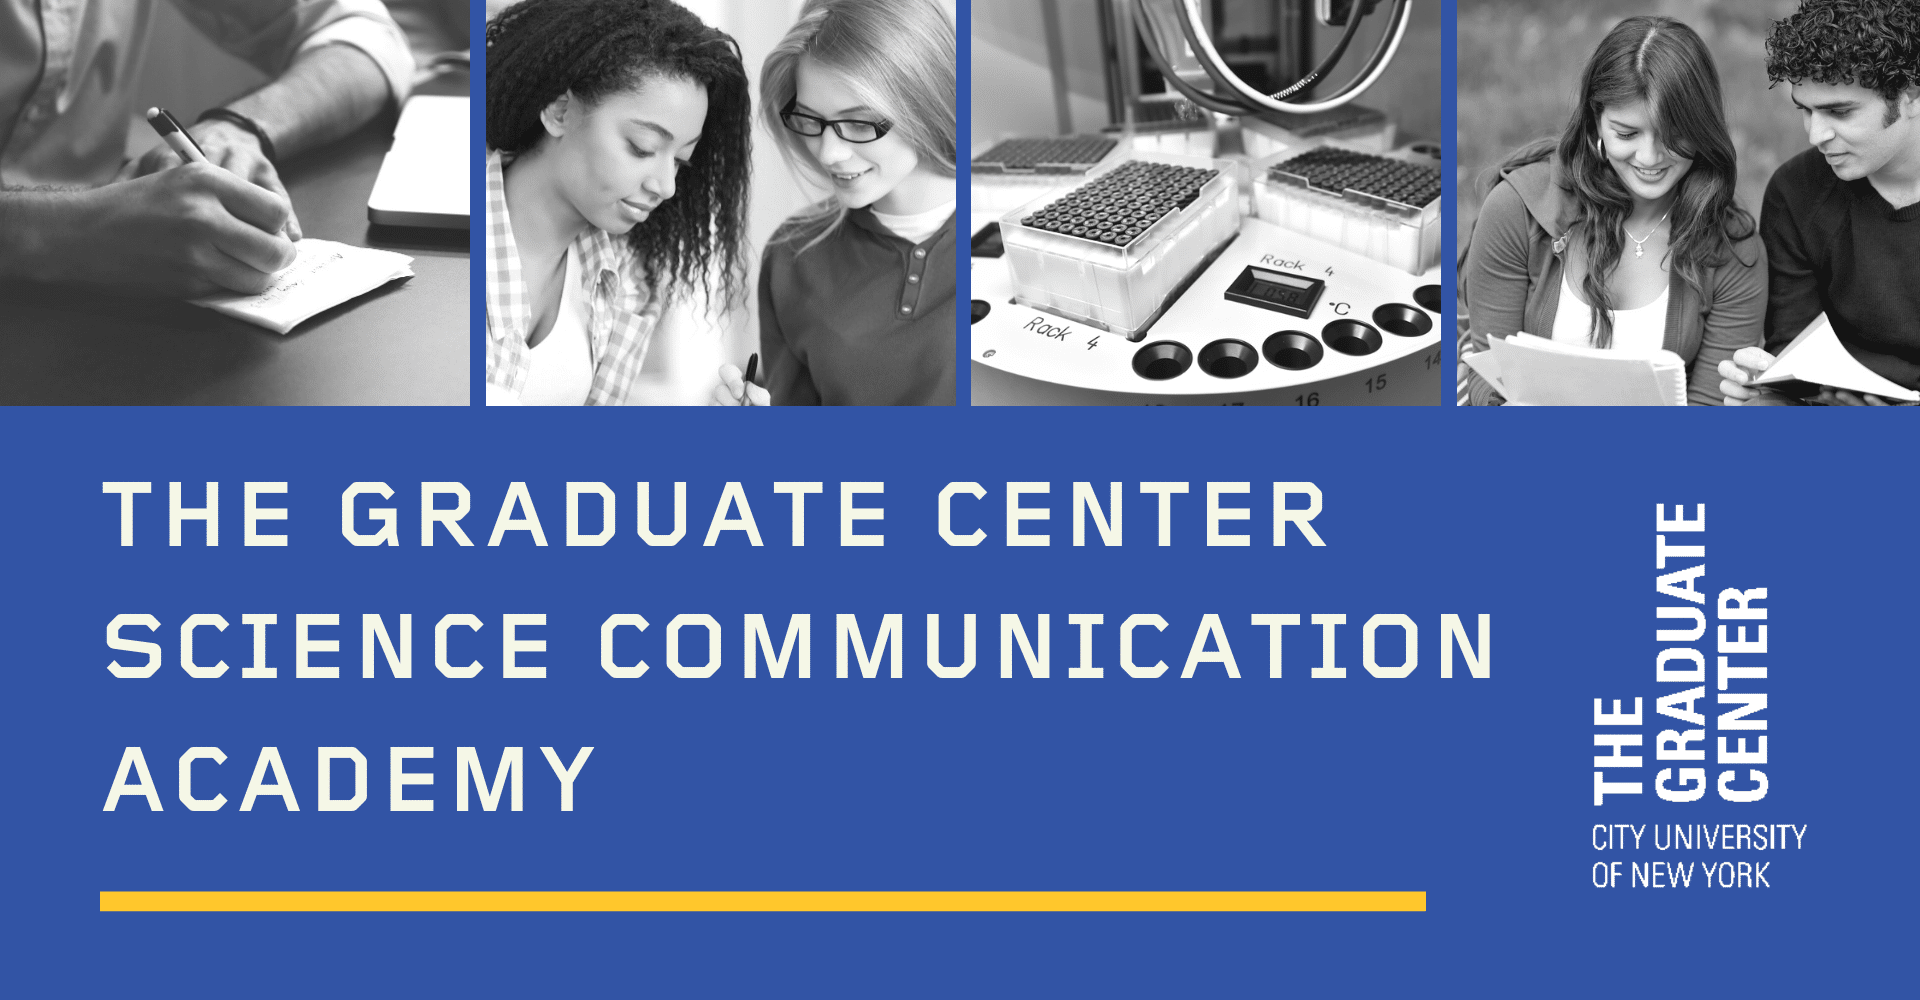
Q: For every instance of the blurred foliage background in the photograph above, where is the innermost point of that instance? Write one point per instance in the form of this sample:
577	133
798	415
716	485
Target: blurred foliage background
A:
1520	62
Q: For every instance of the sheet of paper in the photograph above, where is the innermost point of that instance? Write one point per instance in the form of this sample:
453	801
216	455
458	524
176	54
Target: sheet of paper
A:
323	275
1542	372
1817	356
1488	366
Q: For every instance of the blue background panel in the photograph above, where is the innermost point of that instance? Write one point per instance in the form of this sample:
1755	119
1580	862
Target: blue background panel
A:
1476	791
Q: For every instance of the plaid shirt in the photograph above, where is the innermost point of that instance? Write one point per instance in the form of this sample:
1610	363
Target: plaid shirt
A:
621	311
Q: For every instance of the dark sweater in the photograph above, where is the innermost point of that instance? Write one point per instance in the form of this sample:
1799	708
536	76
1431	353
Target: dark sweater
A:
1837	247
863	318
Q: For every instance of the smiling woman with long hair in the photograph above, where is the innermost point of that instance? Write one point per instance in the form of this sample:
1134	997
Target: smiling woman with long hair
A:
617	136
1624	233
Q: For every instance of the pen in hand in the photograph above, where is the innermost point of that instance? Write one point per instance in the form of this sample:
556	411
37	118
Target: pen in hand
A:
174	136
181	142
753	365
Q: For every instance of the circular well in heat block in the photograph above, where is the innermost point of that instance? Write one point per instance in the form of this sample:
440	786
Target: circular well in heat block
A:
1293	350
1228	358
1162	360
1402	320
1350	336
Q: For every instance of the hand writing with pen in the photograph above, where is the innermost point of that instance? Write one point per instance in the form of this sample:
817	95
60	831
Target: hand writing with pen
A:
229	147
189	229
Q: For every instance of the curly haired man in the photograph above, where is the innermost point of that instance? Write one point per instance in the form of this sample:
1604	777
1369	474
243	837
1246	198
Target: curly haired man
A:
1841	221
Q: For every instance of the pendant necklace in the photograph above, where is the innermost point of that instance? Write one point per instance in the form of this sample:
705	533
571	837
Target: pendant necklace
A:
1639	245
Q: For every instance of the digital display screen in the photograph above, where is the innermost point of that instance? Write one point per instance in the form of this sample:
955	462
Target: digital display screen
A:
1280	278
1280	291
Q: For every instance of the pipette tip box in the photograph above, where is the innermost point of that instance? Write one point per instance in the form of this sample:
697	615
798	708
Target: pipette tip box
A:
1017	170
1070	154
1353	126
1114	250
1382	207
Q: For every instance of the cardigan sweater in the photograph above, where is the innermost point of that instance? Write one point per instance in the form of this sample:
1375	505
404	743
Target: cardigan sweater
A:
863	318
1512	275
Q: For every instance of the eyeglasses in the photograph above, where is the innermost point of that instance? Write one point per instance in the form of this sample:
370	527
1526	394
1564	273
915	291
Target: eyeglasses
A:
850	129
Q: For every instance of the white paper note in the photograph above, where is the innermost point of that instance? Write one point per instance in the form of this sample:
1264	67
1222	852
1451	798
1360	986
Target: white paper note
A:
1489	368
323	275
1542	372
1818	357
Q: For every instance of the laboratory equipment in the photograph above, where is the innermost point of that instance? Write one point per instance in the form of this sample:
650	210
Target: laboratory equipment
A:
1353	126
1073	154
1015	171
1182	48
1290	258
1383	207
1113	251
1278	318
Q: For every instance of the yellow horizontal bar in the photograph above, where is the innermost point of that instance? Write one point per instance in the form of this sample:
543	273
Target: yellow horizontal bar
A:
760	902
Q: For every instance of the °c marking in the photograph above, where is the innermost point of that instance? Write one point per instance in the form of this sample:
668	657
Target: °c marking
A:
1341	308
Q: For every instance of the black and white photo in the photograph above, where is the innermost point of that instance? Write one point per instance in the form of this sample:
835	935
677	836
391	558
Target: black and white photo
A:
1657	228
1226	203
722	203
198	202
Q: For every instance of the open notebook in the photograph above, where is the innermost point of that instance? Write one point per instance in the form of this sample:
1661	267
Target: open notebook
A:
323	275
1816	358
1535	371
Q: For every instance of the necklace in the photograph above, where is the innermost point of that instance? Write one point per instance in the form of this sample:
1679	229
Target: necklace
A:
1639	245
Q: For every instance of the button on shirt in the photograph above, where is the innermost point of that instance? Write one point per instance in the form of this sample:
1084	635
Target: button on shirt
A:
621	311
863	318
68	69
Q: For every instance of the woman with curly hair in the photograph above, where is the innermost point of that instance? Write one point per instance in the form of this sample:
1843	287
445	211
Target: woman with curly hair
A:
1624	234
1842	220
617	137
857	292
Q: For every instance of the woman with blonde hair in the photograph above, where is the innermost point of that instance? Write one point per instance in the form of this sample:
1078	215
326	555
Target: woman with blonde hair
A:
857	292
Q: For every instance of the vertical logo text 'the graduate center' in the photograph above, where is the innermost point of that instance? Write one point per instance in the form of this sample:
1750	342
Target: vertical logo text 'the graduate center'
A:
1738	667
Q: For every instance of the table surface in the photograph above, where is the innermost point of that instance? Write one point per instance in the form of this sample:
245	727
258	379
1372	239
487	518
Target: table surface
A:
404	343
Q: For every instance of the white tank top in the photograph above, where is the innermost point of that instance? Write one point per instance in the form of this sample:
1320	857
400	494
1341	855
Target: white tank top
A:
1636	331
563	362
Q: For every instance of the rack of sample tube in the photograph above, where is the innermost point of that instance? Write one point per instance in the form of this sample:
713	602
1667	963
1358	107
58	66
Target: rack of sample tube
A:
1017	169
1385	208
1114	251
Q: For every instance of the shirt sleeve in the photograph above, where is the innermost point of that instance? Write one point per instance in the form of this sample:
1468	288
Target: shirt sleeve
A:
269	34
1495	278
1793	294
1734	321
788	381
379	38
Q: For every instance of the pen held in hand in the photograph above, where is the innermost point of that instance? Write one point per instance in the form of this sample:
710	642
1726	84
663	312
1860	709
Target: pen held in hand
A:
174	136
746	381
181	142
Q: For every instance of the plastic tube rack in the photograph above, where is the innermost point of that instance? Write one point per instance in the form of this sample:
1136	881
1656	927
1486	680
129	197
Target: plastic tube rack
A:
1380	207
1113	251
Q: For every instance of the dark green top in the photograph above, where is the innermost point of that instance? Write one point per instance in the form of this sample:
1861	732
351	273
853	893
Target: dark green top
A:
862	318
